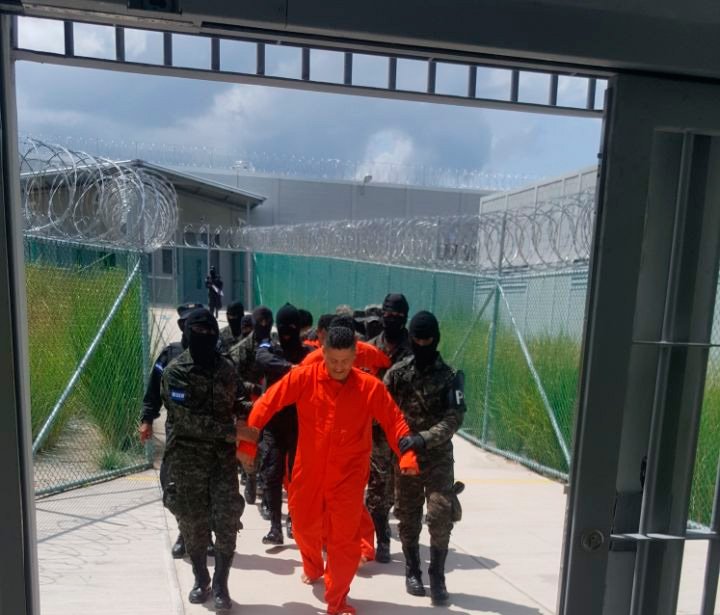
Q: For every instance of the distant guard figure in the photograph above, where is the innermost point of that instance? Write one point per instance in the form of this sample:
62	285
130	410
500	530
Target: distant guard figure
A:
214	284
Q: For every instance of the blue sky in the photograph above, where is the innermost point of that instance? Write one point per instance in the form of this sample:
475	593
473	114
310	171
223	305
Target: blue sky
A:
62	101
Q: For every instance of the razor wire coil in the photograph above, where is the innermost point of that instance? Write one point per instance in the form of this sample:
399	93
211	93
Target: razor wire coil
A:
553	233
71	195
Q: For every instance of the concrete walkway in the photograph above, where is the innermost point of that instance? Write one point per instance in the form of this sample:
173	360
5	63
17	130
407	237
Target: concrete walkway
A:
105	550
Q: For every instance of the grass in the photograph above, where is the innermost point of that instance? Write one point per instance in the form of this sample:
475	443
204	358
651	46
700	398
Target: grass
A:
53	342
111	386
708	452
66	307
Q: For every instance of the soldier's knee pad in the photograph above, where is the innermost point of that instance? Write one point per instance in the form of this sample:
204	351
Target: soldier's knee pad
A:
439	506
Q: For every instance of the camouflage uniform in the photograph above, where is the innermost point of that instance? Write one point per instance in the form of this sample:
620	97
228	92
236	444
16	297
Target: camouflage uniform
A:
424	397
202	481
250	376
380	491
243	355
227	339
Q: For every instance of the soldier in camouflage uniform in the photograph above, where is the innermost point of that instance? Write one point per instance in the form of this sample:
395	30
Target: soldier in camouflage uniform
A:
394	342
251	374
232	334
200	391
429	393
152	404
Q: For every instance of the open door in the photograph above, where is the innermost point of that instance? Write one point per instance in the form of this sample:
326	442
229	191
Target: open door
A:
651	302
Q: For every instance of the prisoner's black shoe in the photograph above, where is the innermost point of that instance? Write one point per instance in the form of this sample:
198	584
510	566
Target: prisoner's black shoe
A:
273	537
201	589
178	549
221	595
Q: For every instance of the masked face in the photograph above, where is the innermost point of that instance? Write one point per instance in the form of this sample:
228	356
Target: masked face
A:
202	342
393	325
263	321
289	336
424	337
235	327
425	352
262	329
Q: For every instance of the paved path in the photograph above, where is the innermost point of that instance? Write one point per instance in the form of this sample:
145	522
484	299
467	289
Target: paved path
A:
105	550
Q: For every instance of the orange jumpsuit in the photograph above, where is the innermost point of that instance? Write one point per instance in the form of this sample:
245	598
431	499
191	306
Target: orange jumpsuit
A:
331	465
370	359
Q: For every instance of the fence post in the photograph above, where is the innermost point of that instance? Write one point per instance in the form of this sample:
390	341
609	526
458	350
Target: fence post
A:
146	342
493	332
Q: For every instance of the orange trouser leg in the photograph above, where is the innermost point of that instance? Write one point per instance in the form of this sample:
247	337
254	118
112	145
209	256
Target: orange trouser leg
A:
307	516
366	535
343	551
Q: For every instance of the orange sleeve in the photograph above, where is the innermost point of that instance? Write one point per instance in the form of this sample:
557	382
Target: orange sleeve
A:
374	358
314	357
284	392
386	412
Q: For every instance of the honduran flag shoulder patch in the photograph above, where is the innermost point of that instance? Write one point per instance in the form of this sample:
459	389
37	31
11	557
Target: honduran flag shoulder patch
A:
177	394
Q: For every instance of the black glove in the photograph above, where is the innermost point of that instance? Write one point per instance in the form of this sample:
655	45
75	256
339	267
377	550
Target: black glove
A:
413	442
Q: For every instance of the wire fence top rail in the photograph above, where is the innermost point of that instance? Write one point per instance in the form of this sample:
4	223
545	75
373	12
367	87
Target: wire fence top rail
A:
556	232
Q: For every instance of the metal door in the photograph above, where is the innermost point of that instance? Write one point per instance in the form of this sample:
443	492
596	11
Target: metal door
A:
650	308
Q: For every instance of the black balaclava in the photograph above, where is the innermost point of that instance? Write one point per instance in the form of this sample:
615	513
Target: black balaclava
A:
183	311
202	346
424	326
393	325
246	324
234	314
262	331
288	327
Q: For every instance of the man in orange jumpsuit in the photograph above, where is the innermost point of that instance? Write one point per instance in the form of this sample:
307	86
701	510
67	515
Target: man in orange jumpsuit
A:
368	358
336	404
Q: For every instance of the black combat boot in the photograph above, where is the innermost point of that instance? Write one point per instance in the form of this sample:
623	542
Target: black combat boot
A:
382	533
250	489
438	593
201	589
221	595
178	549
265	508
288	527
210	546
413	574
274	536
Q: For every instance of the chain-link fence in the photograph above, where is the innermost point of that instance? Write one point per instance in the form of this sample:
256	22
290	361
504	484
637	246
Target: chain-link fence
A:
517	336
89	349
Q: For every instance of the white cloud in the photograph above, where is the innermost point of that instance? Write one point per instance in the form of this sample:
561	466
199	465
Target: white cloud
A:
235	119
389	157
41	34
94	41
